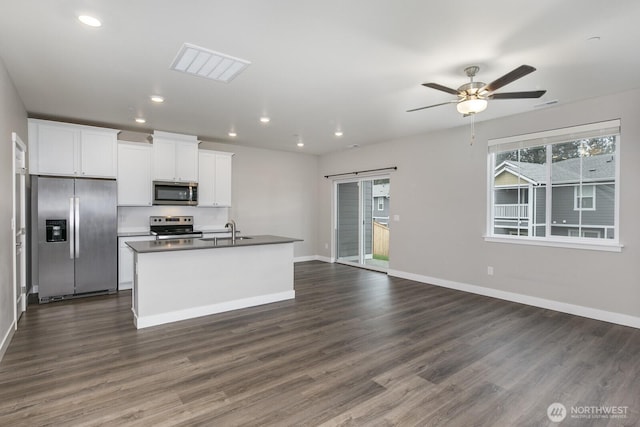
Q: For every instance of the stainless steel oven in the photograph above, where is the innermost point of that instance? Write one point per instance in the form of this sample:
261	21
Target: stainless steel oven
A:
175	193
173	227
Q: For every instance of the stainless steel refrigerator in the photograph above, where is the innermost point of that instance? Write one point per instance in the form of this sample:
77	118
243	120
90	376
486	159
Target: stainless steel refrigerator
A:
74	232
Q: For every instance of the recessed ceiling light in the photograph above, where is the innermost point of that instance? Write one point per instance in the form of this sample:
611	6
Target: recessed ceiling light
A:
90	21
157	98
232	134
338	133
140	120
300	144
265	119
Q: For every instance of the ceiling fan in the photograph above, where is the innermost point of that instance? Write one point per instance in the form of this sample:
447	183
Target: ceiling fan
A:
473	96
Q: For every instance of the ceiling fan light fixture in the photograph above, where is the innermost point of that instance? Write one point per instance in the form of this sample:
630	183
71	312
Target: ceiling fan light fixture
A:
471	106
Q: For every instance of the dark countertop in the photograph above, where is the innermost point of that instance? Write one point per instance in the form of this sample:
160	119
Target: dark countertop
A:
133	233
206	243
136	233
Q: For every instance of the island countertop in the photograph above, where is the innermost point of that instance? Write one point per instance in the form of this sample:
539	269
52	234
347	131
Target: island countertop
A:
206	243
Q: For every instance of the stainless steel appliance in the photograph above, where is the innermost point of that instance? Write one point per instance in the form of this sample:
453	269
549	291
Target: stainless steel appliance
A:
175	193
173	227
74	232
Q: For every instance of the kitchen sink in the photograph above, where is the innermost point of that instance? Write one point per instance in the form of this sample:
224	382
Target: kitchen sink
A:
225	239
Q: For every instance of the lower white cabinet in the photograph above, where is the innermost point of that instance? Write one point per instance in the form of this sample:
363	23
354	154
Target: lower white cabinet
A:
125	260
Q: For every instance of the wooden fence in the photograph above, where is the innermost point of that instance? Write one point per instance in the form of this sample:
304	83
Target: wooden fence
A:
380	239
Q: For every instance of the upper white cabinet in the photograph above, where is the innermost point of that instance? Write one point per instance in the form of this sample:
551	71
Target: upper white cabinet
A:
134	174
66	149
175	157
214	181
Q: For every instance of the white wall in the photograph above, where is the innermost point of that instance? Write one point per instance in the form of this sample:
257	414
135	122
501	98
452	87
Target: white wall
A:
274	192
13	118
439	191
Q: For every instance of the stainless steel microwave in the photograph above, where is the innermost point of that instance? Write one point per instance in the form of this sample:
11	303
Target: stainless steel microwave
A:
175	193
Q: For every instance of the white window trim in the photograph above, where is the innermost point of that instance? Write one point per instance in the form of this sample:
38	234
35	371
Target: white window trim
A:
380	203
606	245
577	200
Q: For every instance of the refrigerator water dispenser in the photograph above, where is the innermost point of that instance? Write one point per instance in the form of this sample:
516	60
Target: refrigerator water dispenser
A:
56	230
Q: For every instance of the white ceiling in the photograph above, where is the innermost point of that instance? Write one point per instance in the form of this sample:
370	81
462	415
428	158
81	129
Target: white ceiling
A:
316	66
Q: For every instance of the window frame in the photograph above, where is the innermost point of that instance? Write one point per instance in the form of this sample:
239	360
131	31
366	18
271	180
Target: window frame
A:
548	139
380	203
579	198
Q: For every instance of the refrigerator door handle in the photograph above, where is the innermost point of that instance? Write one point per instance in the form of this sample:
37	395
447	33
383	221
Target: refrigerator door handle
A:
71	229
76	227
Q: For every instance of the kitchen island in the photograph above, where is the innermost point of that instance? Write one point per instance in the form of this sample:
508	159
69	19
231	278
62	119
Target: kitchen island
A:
185	278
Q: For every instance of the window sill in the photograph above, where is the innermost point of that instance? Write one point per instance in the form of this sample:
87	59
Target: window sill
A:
600	246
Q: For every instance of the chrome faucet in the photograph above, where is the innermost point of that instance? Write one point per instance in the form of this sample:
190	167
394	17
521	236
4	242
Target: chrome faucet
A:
232	224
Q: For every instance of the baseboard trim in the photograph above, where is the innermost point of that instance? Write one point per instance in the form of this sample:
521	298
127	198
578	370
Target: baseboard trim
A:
175	316
578	310
6	340
313	258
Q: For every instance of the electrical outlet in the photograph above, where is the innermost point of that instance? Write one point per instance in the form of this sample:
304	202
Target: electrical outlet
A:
490	270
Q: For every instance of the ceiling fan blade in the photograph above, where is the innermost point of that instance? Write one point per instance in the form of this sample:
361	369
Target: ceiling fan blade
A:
434	105
514	75
436	86
517	95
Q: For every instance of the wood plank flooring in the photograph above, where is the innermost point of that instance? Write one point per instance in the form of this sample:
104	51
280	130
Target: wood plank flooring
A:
354	348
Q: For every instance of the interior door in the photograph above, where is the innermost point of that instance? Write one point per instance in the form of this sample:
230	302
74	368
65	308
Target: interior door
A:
19	225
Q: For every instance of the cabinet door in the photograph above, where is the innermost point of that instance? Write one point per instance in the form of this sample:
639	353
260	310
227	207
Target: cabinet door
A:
186	162
98	153
206	178
125	261
223	180
164	162
134	175
57	154
125	268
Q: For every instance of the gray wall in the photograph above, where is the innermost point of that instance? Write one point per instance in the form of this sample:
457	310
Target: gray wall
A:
13	118
274	192
439	193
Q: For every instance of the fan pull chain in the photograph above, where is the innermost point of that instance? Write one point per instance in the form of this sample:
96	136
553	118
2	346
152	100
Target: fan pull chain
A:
473	129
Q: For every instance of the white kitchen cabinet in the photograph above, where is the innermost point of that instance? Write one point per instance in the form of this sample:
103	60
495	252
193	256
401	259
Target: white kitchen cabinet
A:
175	157
134	174
125	260
66	149
214	178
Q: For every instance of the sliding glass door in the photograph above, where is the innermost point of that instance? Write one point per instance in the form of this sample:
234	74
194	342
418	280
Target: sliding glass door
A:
362	222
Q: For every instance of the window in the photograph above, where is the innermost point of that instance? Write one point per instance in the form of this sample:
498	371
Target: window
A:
543	187
380	203
584	197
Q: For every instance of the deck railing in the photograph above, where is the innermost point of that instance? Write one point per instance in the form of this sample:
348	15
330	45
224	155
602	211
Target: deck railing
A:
519	210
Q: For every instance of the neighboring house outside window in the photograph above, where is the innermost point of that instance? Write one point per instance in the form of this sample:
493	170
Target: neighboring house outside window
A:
585	197
545	186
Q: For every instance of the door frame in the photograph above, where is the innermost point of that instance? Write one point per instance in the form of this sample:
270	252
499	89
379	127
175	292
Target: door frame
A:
334	220
19	297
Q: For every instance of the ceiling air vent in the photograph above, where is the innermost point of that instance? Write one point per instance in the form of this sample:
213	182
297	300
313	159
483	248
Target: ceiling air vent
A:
198	61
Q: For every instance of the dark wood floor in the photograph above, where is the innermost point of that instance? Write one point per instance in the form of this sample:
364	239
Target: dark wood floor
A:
354	348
